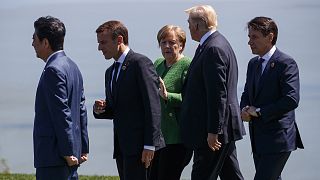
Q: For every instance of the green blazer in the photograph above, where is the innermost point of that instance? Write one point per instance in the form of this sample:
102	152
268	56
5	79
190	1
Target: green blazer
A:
173	78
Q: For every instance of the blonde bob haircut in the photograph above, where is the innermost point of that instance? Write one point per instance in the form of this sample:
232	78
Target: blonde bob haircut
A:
204	15
179	32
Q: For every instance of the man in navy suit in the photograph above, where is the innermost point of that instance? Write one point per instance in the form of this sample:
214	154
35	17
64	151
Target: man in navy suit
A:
132	101
210	113
60	134
271	94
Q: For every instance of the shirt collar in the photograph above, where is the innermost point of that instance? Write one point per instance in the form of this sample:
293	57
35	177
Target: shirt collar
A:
205	36
268	55
123	55
53	55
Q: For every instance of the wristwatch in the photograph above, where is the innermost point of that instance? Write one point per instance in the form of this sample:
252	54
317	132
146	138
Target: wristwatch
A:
258	112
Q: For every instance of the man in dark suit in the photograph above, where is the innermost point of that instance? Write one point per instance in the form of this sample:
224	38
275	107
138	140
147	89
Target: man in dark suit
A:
271	94
60	125
210	113
132	101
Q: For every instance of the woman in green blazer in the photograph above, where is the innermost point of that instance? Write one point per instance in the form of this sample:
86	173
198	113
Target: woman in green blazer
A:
170	161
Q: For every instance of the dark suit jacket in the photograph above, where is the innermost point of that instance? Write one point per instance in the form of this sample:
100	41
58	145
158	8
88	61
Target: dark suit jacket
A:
135	107
209	96
277	96
60	123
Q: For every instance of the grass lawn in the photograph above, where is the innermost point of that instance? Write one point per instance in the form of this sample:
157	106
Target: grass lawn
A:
5	176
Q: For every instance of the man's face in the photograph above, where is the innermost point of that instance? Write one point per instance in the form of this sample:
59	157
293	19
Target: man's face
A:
39	46
258	43
106	45
193	30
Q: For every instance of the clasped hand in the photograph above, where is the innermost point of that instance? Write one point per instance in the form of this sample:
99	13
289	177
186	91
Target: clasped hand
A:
248	112
73	161
99	106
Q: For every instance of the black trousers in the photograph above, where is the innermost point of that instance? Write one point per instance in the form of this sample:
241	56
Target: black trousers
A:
57	172
207	163
269	166
169	162
230	169
131	168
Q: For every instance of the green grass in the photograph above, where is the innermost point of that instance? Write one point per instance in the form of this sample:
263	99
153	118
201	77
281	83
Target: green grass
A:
6	176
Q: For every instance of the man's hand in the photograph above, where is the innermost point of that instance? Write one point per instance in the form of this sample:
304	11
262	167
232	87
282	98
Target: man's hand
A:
252	111
71	160
147	156
245	116
213	142
83	158
99	106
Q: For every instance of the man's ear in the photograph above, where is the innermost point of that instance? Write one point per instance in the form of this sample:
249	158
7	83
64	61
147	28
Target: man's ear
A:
120	40
46	43
270	36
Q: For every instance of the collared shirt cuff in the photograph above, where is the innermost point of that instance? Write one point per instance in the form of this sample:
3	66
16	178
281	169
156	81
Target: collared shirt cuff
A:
152	148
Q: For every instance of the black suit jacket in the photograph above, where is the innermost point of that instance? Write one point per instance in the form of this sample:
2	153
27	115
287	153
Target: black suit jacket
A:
135	106
277	96
209	96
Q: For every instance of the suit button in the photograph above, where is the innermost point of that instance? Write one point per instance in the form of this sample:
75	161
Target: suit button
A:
170	114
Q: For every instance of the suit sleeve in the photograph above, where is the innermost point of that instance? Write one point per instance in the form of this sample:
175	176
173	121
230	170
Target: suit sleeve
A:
214	77
108	114
148	82
84	124
245	94
289	84
56	95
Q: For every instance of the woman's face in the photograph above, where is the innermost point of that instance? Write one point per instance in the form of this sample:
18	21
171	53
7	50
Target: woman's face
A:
171	47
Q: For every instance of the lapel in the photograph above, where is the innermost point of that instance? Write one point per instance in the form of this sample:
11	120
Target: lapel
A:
252	83
122	73
204	46
198	55
267	70
54	57
160	68
108	82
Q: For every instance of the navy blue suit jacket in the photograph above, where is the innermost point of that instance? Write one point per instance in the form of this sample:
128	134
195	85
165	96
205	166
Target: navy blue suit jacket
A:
209	95
277	96
60	123
135	105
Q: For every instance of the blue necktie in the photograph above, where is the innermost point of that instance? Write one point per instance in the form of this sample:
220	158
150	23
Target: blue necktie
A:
258	74
114	79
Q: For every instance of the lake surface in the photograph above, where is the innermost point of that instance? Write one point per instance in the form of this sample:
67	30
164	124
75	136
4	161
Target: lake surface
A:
298	23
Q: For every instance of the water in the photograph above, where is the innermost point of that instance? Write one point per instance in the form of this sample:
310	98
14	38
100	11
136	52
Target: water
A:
20	70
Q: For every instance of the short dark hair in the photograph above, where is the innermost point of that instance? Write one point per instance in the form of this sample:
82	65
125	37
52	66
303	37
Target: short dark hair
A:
117	29
52	29
264	25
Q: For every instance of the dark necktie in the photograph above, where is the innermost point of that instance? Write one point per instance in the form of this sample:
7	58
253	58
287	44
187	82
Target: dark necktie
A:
258	74
197	51
115	73
195	55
